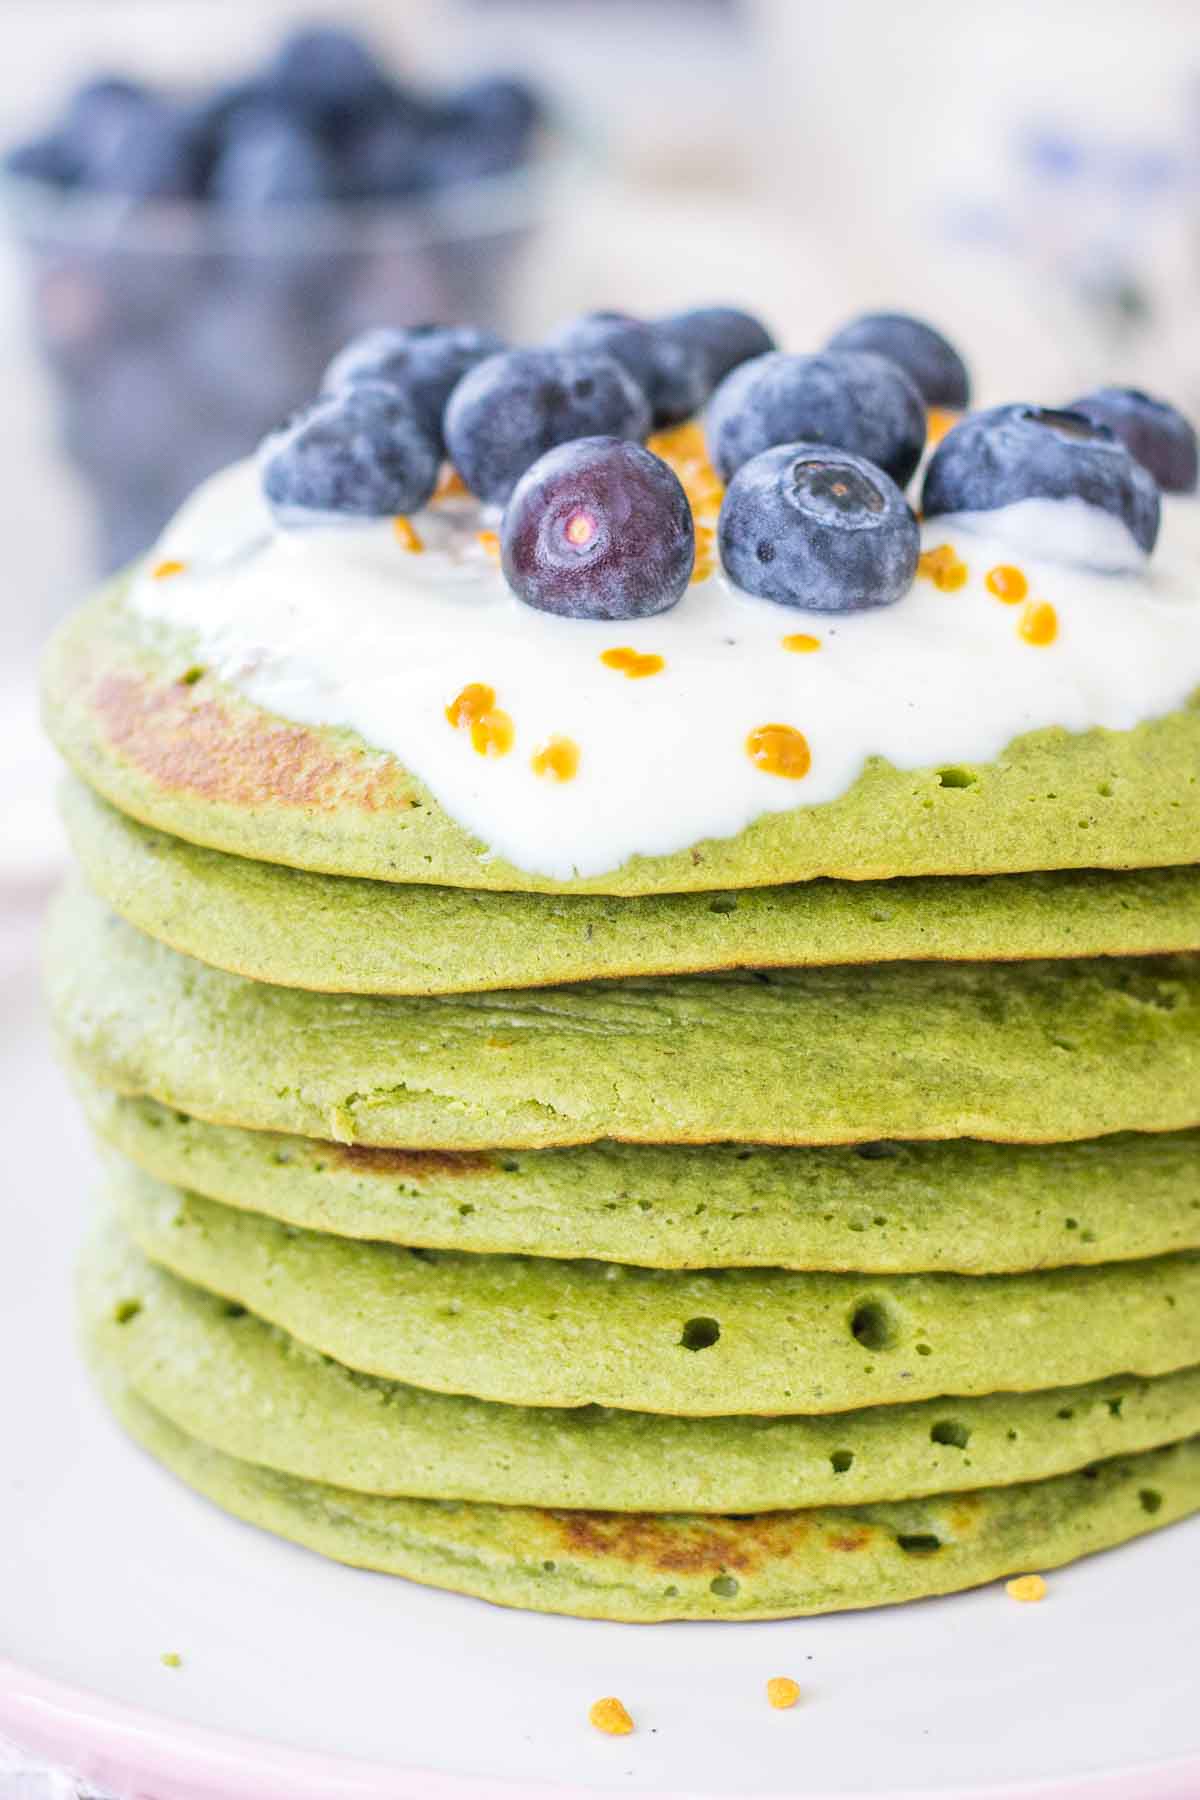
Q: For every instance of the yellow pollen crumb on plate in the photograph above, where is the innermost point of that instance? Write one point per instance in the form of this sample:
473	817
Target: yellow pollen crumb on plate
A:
407	534
801	641
610	1716
170	566
782	1692
1026	1588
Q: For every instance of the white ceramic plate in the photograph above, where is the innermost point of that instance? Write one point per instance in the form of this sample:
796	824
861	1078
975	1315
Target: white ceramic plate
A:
291	1664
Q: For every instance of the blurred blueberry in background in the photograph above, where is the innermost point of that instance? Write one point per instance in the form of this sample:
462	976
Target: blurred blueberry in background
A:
199	258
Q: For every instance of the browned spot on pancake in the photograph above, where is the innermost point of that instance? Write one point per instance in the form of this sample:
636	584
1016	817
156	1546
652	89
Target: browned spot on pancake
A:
672	1547
238	756
848	1540
417	1164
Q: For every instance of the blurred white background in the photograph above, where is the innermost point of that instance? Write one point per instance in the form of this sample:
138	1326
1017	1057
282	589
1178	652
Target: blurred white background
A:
1027	174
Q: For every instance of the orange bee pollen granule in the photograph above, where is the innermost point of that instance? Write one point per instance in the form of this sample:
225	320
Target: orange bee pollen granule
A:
470	704
407	533
557	759
944	567
1007	583
492	734
938	421
779	750
802	641
171	566
1038	623
450	484
633	663
611	1716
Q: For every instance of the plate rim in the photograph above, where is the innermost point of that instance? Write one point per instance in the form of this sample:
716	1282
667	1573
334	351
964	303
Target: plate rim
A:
110	1741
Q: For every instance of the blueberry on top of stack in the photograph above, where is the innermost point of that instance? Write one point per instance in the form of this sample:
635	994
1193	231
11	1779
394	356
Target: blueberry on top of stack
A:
816	451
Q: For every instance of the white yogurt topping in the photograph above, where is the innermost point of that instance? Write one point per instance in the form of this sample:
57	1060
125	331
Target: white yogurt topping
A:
1068	531
340	625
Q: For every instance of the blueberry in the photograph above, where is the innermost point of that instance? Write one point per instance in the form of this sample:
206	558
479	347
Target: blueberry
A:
98	114
383	158
849	399
426	361
49	158
510	409
327	73
725	336
502	104
481	130
681	382
671	373
361	452
1153	432
598	529
927	358
818	528
147	151
1011	453
269	160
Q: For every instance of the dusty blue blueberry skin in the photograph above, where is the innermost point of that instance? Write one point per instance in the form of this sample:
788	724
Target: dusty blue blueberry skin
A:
929	360
511	408
1155	433
146	151
1010	453
49	158
426	361
672	373
501	103
327	73
850	399
383	158
97	116
360	453
819	529
267	161
481	130
724	336
598	528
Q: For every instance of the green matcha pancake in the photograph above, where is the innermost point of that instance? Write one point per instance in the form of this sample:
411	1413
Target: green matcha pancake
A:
533	1332
643	1567
371	937
254	1393
144	723
1037	1052
886	1208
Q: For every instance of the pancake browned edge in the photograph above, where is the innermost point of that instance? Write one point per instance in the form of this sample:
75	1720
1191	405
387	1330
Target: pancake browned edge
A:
645	1567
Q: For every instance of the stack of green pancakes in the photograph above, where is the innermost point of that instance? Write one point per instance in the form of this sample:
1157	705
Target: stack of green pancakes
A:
807	1220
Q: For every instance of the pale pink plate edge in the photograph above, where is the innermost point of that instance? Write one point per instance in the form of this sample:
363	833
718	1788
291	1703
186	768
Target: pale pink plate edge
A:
131	1750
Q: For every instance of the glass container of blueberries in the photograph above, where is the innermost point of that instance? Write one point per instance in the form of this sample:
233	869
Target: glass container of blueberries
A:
198	259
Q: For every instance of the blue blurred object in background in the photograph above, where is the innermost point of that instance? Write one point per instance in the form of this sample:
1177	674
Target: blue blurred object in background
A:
197	260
